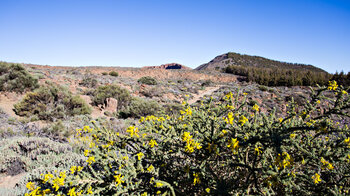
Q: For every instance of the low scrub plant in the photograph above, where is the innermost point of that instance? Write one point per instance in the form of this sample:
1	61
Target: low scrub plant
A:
89	82
140	107
114	73
51	102
111	91
221	147
147	80
14	77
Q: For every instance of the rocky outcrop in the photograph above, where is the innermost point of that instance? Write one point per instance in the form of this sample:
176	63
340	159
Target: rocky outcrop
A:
111	105
168	66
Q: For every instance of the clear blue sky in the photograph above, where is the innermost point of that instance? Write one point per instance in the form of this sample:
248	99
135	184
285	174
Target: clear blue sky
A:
140	33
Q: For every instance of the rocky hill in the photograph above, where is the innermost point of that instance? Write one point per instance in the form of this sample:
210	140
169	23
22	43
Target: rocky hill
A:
232	58
168	66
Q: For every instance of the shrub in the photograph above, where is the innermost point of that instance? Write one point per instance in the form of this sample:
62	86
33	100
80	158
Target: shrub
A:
111	91
220	148
51	102
147	80
104	73
89	82
14	77
140	107
34	156
206	83
114	73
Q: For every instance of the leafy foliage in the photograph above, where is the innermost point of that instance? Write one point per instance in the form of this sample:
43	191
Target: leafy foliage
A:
51	102
14	77
222	147
111	91
147	80
140	107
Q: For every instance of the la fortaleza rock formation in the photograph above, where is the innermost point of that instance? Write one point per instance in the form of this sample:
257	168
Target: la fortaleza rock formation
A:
168	66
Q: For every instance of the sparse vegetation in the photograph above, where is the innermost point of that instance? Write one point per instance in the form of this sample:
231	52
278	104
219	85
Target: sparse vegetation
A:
14	77
51	102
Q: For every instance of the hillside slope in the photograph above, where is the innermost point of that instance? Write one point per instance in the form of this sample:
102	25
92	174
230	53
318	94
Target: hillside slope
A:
232	58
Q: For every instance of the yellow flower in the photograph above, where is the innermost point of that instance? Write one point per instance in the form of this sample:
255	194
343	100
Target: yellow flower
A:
207	190
229	119
144	194
292	135
347	141
257	150
47	177
318	101
90	160
196	179
159	184
332	85
73	169
125	158
86	152
118	179
229	96
150	168
152	143
186	136
133	131
30	186
63	174
72	192
256	108
326	164
344	92
140	155
233	145
89	190
283	161
57	183
79	168
242	120
316	178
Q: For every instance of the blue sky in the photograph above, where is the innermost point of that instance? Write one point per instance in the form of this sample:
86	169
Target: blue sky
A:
191	32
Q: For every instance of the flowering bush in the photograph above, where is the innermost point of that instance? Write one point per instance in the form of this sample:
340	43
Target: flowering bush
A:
221	147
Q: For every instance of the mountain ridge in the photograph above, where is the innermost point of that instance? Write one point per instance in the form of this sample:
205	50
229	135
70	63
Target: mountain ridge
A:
232	58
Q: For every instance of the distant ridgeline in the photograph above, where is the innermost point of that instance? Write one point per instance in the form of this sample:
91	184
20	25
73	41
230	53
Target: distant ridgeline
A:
268	72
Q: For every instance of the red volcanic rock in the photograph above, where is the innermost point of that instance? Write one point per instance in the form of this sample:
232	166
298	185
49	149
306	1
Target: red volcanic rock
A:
168	66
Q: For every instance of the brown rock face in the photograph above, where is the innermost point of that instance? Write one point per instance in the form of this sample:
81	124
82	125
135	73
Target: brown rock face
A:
168	66
111	105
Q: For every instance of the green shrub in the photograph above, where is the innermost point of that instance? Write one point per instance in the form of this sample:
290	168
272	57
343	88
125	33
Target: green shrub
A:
114	73
221	148
89	82
140	107
14	77
51	102
147	80
111	91
104	73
